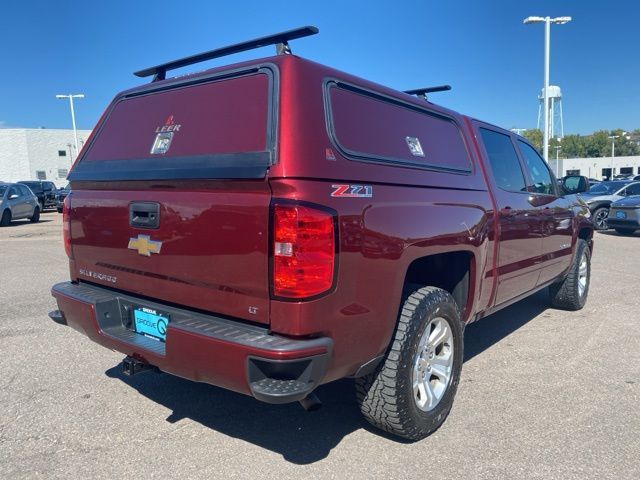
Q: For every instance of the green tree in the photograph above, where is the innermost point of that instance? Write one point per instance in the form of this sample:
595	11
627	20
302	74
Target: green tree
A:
598	144
535	137
624	145
572	147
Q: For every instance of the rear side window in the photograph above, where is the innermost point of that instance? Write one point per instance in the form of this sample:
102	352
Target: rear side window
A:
504	162
538	171
365	125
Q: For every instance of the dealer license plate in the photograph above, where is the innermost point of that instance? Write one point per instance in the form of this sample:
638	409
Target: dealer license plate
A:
620	214
150	323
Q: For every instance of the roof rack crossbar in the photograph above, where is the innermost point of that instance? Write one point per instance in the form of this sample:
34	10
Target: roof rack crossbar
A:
422	92
281	40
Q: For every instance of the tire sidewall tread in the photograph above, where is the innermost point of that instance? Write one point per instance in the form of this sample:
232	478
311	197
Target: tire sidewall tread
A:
564	294
386	396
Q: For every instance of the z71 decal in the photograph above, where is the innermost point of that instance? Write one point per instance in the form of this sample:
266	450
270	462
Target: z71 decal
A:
352	191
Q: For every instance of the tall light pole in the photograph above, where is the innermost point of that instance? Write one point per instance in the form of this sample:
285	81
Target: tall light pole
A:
73	116
613	151
547	40
557	147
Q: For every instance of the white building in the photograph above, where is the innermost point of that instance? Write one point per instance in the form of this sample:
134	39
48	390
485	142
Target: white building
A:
600	167
38	153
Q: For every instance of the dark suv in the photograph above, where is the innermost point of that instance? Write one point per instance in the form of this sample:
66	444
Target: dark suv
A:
274	225
44	190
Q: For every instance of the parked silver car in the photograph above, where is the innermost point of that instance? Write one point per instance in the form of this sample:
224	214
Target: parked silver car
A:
17	201
600	197
624	215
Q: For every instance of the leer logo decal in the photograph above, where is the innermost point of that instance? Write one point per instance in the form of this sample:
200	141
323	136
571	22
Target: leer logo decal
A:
414	146
164	136
144	245
352	191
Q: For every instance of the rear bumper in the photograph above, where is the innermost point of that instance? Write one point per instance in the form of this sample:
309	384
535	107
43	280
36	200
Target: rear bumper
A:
614	222
631	218
204	348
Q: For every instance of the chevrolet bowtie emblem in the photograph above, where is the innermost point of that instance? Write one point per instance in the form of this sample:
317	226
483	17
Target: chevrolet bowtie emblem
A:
144	245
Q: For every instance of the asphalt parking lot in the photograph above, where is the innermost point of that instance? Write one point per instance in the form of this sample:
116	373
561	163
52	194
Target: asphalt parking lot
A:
544	394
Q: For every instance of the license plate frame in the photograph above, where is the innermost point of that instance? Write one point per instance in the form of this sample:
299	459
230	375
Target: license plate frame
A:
150	323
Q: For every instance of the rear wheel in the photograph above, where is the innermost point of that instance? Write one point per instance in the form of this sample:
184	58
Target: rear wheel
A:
36	215
6	218
41	205
625	231
600	216
571	292
411	393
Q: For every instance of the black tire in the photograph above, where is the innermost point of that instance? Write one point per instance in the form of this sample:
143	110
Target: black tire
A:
567	294
386	396
35	218
625	231
600	216
41	205
6	218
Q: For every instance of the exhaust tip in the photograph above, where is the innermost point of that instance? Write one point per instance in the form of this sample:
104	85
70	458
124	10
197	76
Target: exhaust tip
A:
311	402
58	317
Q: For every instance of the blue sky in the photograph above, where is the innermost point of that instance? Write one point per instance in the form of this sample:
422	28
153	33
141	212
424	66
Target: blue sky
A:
481	48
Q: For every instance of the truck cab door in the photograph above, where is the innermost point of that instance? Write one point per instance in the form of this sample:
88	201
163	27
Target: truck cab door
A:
556	214
519	231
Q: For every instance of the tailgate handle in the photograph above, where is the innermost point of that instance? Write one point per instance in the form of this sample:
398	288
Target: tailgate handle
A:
144	214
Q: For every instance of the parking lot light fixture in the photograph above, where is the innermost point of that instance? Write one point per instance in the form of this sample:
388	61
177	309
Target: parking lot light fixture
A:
613	151
547	40
73	116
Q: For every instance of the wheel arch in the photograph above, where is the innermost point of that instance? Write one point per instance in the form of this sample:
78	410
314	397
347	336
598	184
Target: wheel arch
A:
601	204
453	271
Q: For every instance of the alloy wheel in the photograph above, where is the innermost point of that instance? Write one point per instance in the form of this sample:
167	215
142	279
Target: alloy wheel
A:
433	364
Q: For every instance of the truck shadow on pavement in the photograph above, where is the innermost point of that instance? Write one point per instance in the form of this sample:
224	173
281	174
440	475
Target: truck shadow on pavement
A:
301	437
25	222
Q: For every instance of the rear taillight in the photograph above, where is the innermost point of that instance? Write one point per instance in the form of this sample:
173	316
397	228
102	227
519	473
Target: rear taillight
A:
304	251
66	226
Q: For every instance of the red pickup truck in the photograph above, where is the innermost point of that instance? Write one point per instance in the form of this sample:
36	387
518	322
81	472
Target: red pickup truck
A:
274	225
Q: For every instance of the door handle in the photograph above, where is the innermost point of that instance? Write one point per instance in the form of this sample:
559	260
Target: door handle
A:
144	214
547	211
507	212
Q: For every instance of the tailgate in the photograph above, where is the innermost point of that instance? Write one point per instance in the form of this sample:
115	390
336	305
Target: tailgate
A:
194	159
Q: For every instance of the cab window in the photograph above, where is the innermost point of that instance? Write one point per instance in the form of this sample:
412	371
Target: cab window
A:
541	179
504	162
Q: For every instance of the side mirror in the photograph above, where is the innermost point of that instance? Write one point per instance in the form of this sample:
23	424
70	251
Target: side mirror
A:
575	184
13	196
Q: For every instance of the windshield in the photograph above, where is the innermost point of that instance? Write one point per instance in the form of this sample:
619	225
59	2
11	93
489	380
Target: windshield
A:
3	188
599	188
606	188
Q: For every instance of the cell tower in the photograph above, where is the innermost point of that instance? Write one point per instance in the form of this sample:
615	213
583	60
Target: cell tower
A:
555	111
